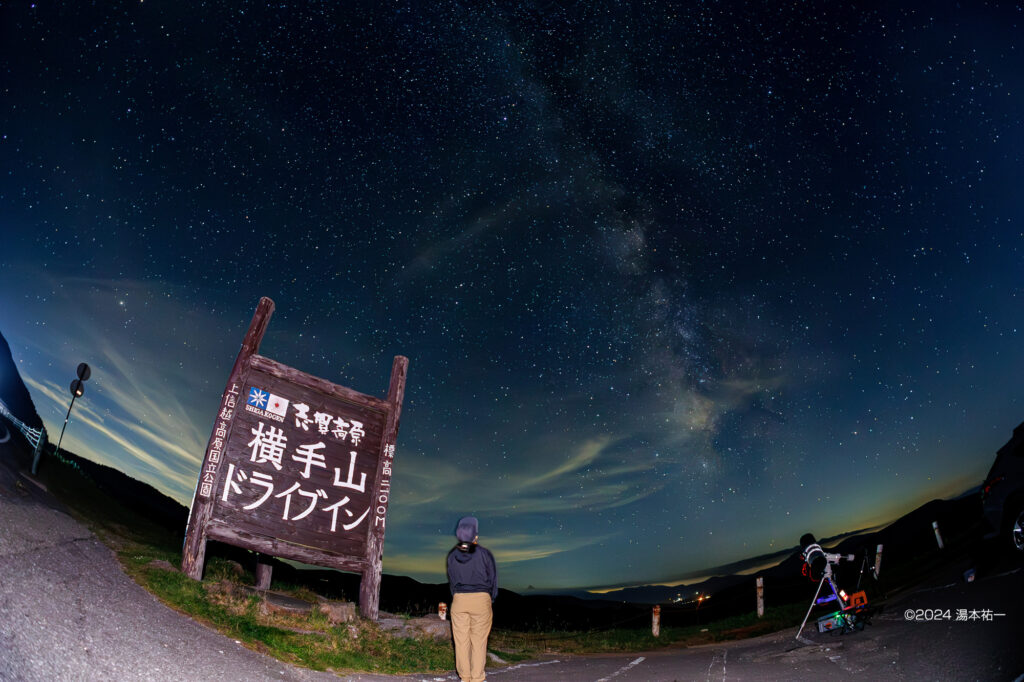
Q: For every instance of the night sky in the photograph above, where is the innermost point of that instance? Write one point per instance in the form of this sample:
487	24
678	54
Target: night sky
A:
677	283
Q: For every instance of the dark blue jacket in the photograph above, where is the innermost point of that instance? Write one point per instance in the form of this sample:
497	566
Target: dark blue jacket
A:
471	568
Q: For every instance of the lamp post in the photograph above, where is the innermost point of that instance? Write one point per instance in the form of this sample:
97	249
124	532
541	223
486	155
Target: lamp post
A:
77	390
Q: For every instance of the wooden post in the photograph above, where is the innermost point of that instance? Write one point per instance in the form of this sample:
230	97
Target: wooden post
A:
369	585
656	621
263	572
938	535
760	597
878	561
194	552
38	451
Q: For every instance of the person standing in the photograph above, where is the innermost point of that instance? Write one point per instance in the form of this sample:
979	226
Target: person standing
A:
473	580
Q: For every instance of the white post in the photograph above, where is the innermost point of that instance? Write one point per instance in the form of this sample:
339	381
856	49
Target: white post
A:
938	535
760	597
656	621
878	561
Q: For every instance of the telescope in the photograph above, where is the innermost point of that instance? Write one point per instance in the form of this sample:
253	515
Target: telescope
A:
819	561
818	567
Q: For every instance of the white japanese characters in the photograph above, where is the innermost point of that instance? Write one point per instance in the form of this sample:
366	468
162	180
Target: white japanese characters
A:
270	453
311	456
216	447
268	446
328	423
385	486
347	483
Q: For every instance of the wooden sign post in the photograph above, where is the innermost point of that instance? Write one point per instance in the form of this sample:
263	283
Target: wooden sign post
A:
297	467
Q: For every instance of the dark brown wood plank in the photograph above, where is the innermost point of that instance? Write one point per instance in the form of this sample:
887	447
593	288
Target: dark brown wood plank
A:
285	550
294	376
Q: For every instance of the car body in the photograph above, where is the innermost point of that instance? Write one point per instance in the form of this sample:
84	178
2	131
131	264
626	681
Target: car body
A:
1002	495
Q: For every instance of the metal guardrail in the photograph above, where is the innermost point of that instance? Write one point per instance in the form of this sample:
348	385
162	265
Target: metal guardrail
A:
35	437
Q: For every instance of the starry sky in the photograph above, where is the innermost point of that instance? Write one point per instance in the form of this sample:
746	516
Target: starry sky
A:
677	282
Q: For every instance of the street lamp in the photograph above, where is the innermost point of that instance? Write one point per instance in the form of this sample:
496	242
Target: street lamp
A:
77	391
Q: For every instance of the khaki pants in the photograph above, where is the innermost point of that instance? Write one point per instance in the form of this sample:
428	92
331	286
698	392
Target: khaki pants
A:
471	624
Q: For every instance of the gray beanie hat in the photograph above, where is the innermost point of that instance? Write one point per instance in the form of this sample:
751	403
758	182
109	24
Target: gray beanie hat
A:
468	529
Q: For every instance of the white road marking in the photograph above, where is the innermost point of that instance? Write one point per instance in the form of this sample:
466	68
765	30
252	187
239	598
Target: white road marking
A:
499	671
623	669
714	659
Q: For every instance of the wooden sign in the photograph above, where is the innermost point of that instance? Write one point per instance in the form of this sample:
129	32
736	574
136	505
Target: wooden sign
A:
298	468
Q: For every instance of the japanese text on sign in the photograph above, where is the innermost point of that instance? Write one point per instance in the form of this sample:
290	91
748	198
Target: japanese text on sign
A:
220	433
385	486
290	470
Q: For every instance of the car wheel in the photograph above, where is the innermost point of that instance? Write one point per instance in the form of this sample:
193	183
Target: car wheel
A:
1017	530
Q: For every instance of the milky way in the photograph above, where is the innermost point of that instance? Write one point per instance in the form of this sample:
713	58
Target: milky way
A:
677	284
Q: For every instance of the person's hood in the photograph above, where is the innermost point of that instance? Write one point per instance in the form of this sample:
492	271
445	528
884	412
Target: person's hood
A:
464	551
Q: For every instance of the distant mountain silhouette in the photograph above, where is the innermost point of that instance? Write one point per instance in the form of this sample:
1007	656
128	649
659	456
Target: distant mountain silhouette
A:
13	391
140	497
903	541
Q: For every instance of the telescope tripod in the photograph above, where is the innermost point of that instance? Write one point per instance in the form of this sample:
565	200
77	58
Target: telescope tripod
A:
846	618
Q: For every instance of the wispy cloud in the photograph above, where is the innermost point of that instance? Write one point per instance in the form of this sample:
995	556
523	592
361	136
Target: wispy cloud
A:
522	547
585	455
136	415
104	441
428	562
588	479
476	223
427	480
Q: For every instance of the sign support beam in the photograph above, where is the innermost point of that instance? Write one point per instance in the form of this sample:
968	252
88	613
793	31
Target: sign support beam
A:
194	551
369	585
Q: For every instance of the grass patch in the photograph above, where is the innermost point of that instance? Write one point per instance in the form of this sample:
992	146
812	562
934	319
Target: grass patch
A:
221	602
306	640
533	644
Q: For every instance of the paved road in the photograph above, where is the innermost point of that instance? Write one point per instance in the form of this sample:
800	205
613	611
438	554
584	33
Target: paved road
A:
891	648
68	612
